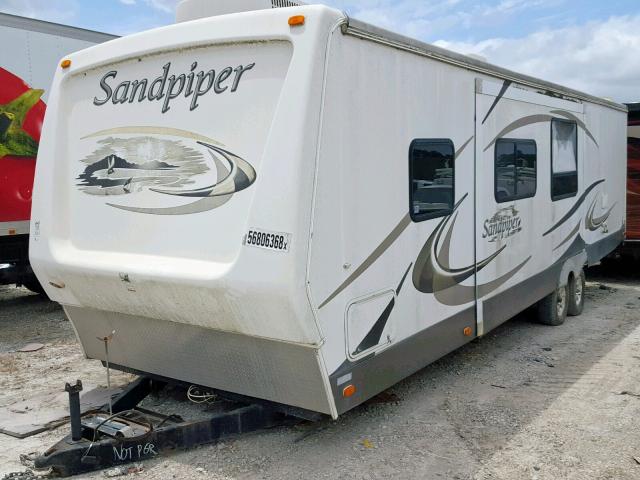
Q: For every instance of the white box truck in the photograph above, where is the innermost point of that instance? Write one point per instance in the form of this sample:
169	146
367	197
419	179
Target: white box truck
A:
292	205
28	61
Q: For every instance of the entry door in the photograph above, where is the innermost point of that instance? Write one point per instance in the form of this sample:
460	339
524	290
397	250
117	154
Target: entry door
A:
512	195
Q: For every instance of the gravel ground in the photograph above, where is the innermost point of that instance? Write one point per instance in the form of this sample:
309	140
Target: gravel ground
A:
525	402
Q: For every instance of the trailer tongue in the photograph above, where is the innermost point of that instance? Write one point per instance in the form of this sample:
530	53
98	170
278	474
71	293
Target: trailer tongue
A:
129	433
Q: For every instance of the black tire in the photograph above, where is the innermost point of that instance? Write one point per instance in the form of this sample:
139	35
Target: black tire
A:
31	282
552	309
575	294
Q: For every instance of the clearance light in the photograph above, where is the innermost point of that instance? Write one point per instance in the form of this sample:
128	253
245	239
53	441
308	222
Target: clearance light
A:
467	331
66	63
348	391
296	20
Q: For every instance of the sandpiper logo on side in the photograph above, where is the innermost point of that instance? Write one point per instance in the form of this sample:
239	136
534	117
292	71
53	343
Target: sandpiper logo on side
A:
504	223
169	87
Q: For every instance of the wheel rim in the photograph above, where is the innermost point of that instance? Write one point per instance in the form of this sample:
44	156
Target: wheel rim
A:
561	301
578	292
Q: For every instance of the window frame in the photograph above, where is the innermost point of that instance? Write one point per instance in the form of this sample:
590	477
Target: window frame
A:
421	217
561	174
515	142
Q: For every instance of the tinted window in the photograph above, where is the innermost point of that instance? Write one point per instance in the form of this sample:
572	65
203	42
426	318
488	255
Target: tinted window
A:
515	169
564	159
431	178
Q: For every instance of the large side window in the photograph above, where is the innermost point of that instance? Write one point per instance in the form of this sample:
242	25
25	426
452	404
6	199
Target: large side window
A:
431	178
564	159
515	169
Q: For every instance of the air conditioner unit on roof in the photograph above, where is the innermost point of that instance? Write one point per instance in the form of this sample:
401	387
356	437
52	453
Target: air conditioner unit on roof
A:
194	9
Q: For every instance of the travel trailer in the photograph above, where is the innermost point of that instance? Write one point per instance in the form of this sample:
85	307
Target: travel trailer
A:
295	206
27	66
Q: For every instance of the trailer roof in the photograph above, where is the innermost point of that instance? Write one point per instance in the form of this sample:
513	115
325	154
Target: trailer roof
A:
24	23
367	31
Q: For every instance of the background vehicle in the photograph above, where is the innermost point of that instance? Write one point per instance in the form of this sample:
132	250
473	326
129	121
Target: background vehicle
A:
631	244
26	72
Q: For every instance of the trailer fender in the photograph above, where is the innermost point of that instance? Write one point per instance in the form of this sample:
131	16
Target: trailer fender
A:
572	265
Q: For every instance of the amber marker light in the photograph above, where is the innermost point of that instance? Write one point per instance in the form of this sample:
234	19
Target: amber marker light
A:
66	63
348	391
296	20
467	331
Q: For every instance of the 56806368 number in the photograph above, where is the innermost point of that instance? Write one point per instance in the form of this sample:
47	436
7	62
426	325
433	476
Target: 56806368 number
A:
269	240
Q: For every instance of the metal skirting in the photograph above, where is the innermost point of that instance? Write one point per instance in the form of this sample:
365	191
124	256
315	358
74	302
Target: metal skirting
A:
600	249
378	372
506	304
266	369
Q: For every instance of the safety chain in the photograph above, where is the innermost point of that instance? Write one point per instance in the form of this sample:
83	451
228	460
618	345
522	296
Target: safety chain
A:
26	475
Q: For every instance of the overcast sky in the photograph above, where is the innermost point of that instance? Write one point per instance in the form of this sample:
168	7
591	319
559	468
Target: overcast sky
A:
591	45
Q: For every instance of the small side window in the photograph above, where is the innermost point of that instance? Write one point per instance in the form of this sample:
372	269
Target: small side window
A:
564	159
515	169
431	178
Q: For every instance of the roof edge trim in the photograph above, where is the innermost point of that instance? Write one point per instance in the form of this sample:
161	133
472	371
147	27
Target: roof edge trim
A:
366	31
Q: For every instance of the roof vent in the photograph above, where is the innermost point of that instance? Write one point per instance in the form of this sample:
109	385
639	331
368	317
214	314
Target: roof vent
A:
193	9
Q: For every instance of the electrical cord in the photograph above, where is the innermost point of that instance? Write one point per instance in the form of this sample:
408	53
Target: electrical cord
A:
196	396
116	415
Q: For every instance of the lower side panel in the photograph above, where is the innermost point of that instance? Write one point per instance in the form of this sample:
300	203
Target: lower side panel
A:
505	305
600	249
276	371
378	372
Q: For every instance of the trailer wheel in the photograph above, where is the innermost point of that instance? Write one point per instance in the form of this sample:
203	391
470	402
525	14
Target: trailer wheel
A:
552	309
575	294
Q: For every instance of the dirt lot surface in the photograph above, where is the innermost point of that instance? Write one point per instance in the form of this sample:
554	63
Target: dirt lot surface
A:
524	402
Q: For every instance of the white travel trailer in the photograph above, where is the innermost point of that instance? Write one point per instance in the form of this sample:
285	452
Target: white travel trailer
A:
296	206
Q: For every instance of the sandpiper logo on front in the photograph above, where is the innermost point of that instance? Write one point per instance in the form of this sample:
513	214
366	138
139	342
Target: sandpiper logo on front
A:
169	87
504	223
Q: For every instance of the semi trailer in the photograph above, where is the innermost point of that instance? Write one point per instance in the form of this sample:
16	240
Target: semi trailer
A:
27	67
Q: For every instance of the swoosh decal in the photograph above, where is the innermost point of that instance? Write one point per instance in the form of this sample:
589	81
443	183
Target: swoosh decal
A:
568	237
575	207
201	205
431	273
374	335
239	177
538	118
503	90
403	278
462	147
593	223
461	294
580	123
521	122
380	249
146	129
